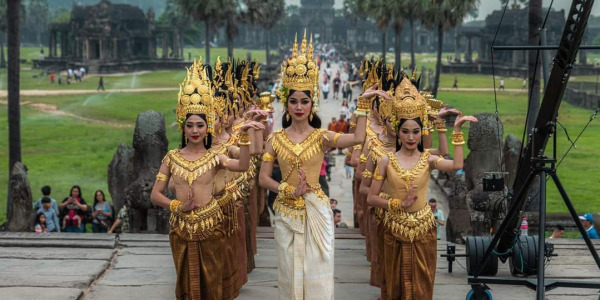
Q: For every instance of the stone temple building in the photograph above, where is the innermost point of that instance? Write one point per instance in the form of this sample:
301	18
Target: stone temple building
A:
108	38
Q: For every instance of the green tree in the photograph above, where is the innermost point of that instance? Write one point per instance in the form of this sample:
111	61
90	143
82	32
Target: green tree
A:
39	18
265	13
443	15
398	12
535	22
175	17
208	11
61	15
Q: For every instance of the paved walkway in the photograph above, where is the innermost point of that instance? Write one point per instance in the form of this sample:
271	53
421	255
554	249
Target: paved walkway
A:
140	266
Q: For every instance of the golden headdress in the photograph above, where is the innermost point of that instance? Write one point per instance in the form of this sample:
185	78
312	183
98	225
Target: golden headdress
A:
224	88
371	71
195	96
300	72
244	82
407	103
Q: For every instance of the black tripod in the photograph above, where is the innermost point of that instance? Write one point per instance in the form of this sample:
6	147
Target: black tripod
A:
542	166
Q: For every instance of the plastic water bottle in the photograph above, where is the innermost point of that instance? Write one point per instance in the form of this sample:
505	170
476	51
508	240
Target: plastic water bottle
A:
524	226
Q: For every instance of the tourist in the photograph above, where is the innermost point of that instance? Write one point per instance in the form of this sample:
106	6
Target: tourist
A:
348	169
196	250
501	87
325	89
100	84
102	213
40	223
323	177
82	72
59	78
304	226
438	214
337	219
328	70
587	220
558	232
332	124
51	217
344	109
46	191
74	209
121	220
337	82
455	84
51	78
524	84
353	106
333	203
348	90
400	183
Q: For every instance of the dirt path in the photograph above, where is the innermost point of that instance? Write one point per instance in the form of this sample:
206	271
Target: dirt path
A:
53	110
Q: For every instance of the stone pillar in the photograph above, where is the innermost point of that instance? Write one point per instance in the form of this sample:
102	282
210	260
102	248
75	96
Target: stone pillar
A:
115	48
86	49
101	49
165	49
176	52
469	54
482	50
457	48
63	43
50	44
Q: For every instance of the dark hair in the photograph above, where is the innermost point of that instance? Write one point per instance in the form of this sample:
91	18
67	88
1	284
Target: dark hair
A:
432	200
315	123
560	227
46	200
208	142
336	211
420	146
331	200
46	190
75	187
37	219
96	198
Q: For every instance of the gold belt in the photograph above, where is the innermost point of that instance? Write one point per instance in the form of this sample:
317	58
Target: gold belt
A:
199	222
294	207
409	226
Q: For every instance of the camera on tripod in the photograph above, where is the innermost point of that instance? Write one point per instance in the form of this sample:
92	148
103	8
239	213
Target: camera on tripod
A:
493	181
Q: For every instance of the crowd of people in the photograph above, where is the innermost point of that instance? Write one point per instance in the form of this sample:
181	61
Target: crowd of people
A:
73	213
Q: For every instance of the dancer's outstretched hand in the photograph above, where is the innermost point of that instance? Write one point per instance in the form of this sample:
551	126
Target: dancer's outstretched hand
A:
460	120
252	124
373	91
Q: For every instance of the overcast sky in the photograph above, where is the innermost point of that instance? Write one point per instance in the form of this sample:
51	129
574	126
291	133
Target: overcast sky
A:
485	7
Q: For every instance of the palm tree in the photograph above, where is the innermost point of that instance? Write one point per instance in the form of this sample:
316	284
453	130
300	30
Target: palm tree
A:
208	11
443	15
398	10
175	17
377	9
265	13
414	9
13	8
2	31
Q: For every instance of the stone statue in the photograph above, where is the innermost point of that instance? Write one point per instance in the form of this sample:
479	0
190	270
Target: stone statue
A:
19	217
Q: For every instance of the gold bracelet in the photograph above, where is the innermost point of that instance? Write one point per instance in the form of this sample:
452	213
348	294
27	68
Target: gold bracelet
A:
240	143
363	104
244	139
352	124
441	130
162	177
361	113
362	158
393	204
458	138
175	205
358	147
376	175
335	139
268	157
282	186
367	174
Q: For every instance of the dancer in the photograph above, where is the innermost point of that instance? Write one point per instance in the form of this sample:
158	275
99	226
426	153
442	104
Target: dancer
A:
400	182
304	225
197	234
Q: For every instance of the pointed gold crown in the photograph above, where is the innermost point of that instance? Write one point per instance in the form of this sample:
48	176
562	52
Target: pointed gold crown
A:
370	70
224	88
300	72
407	103
243	84
195	96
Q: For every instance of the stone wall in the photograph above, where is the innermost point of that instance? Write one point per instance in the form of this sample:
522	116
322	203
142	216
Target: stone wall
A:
581	98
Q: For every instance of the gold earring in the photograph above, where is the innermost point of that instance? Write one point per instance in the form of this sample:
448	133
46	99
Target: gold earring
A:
310	118
187	140
206	139
287	117
385	131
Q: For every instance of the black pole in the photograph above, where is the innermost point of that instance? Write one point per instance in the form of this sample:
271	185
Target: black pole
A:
541	286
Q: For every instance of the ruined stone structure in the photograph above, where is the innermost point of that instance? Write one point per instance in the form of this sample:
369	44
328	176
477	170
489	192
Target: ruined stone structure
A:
132	173
19	214
111	37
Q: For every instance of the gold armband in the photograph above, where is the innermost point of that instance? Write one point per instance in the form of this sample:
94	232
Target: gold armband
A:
244	139
362	158
458	138
358	147
175	205
367	174
361	113
335	139
162	177
352	124
268	157
376	175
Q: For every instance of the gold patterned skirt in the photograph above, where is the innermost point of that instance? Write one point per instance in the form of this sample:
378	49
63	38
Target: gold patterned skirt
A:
197	241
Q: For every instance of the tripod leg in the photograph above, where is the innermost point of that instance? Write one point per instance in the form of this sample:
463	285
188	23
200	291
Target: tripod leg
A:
575	217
